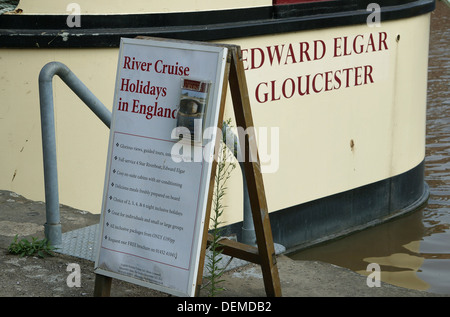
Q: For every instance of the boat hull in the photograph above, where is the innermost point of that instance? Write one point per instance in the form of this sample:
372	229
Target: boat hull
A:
339	108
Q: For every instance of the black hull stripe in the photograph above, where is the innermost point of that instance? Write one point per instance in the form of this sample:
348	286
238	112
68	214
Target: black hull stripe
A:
48	31
341	214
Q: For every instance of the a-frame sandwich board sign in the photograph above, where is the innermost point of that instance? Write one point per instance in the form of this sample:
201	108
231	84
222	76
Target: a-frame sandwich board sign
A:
264	252
159	183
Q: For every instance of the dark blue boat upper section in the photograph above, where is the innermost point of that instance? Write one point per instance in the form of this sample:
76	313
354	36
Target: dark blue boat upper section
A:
46	31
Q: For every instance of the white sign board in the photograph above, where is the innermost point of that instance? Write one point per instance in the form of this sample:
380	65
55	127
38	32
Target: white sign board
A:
159	163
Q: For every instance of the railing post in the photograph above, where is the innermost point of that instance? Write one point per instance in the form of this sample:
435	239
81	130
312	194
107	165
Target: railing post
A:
52	227
248	235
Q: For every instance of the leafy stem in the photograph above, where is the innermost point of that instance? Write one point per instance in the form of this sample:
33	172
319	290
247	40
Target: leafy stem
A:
25	247
223	173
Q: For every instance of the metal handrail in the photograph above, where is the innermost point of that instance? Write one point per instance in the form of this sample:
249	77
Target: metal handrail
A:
52	227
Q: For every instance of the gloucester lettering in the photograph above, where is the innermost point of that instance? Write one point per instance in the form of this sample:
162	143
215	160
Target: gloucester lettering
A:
313	83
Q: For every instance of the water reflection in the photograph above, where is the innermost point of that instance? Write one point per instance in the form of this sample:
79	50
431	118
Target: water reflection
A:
435	245
395	246
413	251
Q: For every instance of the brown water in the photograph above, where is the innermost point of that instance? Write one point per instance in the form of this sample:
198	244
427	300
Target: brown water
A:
413	251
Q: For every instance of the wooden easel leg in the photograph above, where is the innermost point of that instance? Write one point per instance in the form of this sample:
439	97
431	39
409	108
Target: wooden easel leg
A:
102	286
264	239
211	188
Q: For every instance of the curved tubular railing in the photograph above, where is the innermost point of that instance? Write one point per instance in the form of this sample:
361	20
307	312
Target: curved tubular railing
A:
52	227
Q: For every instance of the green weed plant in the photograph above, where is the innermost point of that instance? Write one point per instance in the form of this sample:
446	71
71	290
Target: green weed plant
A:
225	167
25	247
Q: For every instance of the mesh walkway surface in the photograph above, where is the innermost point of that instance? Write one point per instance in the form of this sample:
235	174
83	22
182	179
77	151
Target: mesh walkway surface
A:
80	243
